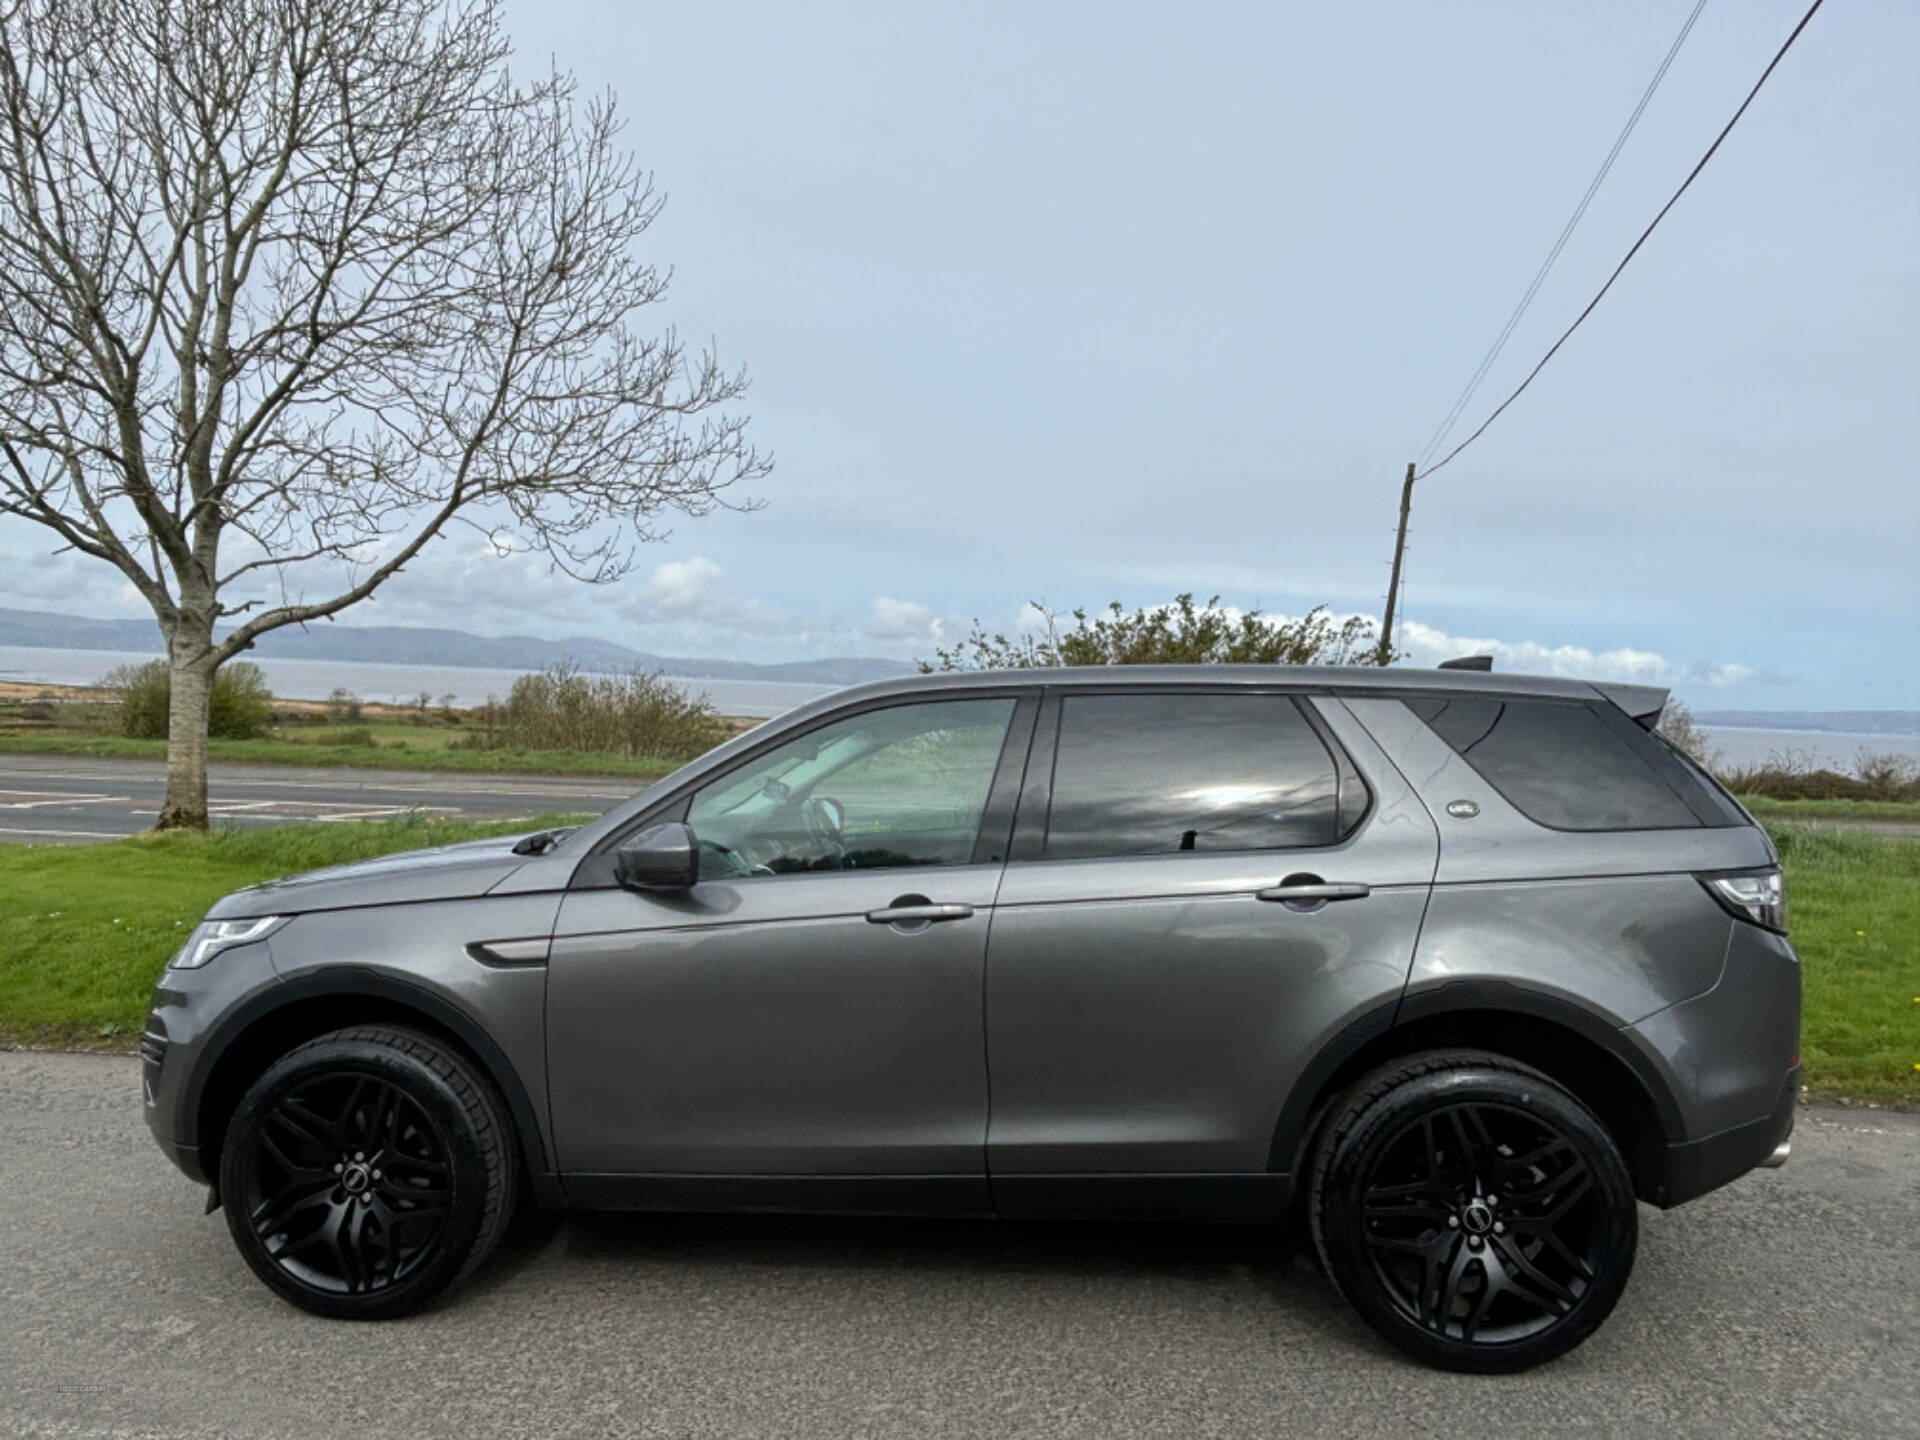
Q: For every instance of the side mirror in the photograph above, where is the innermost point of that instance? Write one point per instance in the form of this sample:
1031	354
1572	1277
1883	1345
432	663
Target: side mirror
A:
666	857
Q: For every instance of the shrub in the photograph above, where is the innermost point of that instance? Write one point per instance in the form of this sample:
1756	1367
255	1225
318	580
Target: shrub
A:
1181	633
343	706
144	692
1791	775
358	736
561	708
1676	723
241	707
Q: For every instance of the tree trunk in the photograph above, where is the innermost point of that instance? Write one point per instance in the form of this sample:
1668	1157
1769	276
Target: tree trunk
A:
190	666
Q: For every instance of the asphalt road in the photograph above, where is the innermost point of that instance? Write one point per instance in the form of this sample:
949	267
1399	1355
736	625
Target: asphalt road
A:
58	799
1787	1304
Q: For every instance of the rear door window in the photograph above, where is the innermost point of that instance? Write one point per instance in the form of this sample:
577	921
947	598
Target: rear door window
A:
1557	762
1165	773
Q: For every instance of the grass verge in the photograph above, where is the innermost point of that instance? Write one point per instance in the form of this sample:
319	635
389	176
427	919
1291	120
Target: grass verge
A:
1853	906
398	747
85	929
1765	807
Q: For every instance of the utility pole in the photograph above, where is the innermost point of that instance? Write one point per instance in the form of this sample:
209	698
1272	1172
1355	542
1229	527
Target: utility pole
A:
1385	651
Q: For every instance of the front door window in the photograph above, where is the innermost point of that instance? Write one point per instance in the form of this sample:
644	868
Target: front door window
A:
905	785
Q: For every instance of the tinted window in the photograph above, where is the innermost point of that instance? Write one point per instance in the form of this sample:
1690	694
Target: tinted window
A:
900	786
1558	763
1158	774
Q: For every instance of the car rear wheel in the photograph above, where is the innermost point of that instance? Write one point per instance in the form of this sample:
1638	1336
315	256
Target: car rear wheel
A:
367	1171
1474	1212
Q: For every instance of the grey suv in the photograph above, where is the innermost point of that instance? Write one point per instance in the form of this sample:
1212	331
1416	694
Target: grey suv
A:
1460	963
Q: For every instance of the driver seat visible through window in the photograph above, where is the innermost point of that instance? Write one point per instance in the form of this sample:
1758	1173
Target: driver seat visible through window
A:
901	786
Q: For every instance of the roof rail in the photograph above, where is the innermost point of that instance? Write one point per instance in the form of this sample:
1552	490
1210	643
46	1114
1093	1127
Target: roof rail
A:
1468	662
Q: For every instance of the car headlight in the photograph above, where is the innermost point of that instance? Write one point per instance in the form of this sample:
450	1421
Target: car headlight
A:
210	937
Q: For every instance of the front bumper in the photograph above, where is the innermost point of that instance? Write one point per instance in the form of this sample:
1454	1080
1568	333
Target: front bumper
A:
187	1007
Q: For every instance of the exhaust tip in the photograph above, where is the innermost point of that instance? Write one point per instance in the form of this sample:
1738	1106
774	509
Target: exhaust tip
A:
1779	1155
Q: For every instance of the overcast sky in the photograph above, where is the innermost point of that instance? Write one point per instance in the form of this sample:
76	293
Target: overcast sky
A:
1079	303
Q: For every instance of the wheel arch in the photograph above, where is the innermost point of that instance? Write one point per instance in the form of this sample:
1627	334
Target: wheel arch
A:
311	1005
1596	1061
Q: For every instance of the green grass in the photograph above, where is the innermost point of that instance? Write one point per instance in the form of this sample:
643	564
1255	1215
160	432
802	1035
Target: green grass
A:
84	930
1765	807
400	747
1853	906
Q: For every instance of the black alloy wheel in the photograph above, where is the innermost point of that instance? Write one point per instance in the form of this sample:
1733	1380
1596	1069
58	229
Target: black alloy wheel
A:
350	1184
1474	1212
367	1171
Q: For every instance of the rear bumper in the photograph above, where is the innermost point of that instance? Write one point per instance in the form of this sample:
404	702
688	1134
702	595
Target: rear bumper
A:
1697	1166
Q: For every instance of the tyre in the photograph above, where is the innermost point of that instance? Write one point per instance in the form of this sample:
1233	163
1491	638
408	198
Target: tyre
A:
1474	1212
368	1171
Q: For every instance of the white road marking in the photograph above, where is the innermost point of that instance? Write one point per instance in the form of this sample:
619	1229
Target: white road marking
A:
450	783
56	799
67	834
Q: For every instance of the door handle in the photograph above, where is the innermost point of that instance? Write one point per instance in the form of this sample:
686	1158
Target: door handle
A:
919	914
1310	892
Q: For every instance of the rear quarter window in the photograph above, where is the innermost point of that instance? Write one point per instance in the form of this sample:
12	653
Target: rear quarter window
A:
1557	762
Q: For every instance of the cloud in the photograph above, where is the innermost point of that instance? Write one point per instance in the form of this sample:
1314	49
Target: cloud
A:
680	587
891	619
692	606
68	583
1424	645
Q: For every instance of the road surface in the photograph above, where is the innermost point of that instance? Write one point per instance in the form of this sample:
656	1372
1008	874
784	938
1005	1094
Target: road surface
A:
59	799
1785	1305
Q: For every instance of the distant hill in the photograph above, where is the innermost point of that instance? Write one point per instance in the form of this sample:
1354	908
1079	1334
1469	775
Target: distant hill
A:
1844	722
403	645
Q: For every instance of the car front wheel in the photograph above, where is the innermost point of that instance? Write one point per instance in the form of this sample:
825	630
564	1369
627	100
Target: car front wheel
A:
1474	1212
367	1171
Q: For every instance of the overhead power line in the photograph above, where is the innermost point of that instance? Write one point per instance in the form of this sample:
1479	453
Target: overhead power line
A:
1465	397
1580	319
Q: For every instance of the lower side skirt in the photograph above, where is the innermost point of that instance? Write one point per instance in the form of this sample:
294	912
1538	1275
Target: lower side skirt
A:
1258	1197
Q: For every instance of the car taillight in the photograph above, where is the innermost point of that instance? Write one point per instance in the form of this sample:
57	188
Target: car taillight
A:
1759	896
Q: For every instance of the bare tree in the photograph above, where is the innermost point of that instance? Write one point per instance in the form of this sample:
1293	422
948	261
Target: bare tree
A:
289	287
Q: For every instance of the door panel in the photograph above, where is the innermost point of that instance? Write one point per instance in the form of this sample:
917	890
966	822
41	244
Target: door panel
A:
765	1026
1148	1014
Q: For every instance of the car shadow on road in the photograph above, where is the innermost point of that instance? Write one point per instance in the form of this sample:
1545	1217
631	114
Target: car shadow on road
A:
1275	1259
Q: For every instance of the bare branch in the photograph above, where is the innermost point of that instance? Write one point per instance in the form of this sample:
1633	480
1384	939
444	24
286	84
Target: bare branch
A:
316	279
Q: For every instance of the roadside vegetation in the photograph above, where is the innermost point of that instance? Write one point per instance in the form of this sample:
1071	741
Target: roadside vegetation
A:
1853	909
1184	632
555	721
632	716
86	929
563	721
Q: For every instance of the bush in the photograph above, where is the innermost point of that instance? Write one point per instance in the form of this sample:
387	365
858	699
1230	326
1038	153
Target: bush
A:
241	707
144	692
343	706
1792	776
1676	723
360	737
560	708
1182	633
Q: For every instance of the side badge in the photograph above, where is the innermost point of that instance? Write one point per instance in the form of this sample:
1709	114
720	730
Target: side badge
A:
1462	809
